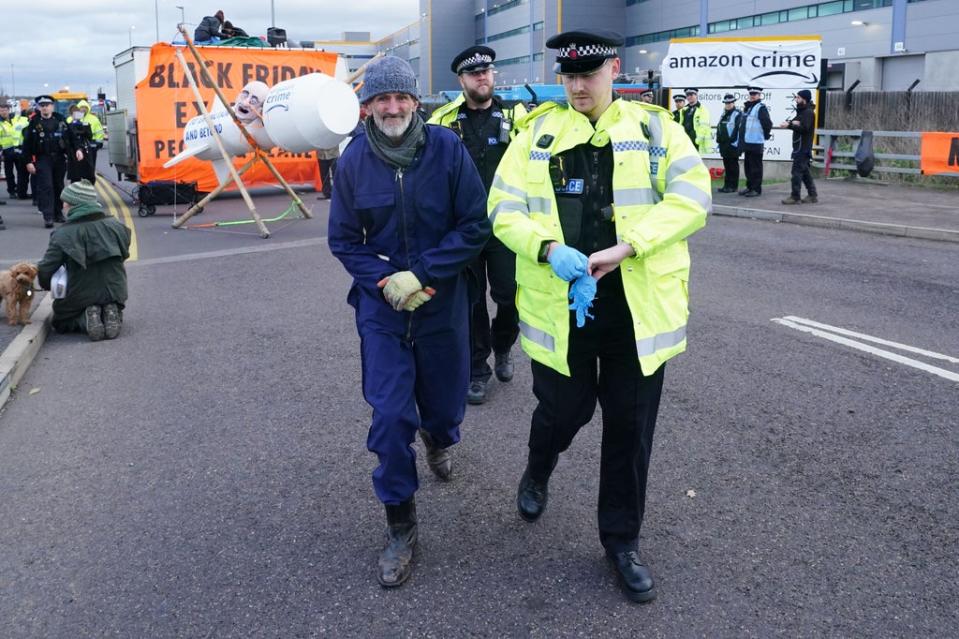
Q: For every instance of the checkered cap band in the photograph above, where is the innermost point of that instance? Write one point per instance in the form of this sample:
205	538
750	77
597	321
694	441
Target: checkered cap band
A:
476	58
572	52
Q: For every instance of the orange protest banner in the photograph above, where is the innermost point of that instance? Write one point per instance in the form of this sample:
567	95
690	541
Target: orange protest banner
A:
165	104
940	154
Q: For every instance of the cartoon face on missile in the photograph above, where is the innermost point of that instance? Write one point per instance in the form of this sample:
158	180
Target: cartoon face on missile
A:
249	102
313	111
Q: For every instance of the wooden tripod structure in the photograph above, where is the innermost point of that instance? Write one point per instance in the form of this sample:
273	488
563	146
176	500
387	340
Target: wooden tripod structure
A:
235	175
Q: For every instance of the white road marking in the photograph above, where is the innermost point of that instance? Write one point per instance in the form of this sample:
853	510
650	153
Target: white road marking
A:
878	352
870	338
261	248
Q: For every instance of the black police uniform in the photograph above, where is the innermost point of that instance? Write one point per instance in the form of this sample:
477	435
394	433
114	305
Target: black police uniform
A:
486	135
47	141
729	145
602	355
81	137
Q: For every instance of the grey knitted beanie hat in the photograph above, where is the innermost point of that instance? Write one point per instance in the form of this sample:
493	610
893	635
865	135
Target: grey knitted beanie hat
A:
388	75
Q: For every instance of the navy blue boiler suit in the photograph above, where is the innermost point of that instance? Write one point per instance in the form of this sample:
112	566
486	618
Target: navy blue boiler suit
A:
429	218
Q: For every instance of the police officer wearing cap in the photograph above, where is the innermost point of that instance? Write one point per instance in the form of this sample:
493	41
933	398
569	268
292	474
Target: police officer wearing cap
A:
680	101
696	121
756	129
647	96
486	127
727	136
47	142
597	197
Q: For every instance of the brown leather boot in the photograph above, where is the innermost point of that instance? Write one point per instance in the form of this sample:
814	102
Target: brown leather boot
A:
438	459
396	560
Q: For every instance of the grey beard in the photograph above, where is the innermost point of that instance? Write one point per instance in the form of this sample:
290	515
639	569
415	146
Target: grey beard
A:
391	128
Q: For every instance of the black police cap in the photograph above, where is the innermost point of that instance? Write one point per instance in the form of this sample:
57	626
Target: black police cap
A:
691	91
473	59
678	97
647	91
753	90
728	98
583	51
44	98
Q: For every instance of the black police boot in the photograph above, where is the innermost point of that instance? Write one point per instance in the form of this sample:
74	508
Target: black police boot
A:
503	367
396	560
477	392
531	497
635	579
438	459
1	224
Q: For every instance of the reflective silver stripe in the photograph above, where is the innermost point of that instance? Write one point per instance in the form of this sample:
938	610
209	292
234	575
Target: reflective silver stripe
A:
508	206
627	197
537	336
649	345
540	204
500	183
539	123
682	165
694	193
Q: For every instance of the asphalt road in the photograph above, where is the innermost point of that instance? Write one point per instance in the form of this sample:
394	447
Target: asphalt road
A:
206	473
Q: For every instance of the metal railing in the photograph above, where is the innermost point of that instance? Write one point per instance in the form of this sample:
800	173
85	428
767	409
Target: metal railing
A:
829	139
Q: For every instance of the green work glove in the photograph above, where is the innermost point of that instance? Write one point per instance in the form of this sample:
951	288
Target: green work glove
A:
417	299
399	287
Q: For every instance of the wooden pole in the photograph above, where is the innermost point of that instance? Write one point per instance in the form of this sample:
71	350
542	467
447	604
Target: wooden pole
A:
356	74
196	208
264	232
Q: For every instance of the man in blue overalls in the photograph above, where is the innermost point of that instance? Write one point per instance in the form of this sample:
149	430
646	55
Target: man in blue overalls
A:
407	217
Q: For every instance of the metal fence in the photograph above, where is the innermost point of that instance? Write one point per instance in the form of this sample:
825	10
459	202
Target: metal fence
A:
891	110
837	148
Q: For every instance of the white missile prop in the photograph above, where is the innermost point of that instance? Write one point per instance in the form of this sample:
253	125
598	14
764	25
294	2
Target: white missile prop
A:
314	111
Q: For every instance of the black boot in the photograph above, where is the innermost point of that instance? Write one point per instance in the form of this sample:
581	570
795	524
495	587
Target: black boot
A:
531	497
396	560
503	366
635	579
438	459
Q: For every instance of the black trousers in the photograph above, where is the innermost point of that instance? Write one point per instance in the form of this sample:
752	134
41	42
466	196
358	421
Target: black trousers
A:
603	365
496	265
801	175
15	168
731	170
753	166
92	159
327	171
51	170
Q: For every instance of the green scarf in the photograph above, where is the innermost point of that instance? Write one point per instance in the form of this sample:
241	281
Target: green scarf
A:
401	154
82	210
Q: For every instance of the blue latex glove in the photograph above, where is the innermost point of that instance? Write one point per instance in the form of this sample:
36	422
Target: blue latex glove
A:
582	293
567	262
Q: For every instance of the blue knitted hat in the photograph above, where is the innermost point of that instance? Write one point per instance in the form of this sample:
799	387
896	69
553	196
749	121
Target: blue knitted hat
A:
388	75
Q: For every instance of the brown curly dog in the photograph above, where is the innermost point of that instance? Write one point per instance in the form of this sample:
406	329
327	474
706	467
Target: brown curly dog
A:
16	289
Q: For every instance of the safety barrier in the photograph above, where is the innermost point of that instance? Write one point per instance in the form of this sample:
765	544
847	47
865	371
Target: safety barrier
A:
825	153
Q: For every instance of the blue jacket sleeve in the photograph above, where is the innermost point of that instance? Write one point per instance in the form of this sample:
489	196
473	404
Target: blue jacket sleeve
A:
472	226
346	236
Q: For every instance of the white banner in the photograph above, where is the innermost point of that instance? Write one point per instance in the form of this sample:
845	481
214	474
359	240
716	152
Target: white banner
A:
779	102
777	64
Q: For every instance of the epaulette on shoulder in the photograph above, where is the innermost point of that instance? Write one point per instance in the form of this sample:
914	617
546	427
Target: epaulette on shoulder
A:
537	113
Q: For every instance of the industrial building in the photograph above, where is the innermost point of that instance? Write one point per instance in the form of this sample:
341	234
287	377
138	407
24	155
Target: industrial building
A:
885	45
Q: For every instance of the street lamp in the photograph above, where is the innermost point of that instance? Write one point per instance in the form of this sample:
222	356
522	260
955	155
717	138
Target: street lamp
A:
272	15
130	34
156	12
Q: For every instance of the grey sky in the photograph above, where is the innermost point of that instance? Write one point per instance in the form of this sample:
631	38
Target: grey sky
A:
72	42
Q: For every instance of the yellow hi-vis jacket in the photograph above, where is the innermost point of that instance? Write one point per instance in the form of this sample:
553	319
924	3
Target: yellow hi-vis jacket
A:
704	132
661	195
11	131
445	114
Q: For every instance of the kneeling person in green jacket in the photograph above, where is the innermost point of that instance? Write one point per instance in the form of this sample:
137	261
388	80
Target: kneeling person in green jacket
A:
93	246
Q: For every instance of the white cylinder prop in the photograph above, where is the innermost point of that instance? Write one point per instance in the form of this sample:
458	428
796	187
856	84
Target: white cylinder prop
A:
311	112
